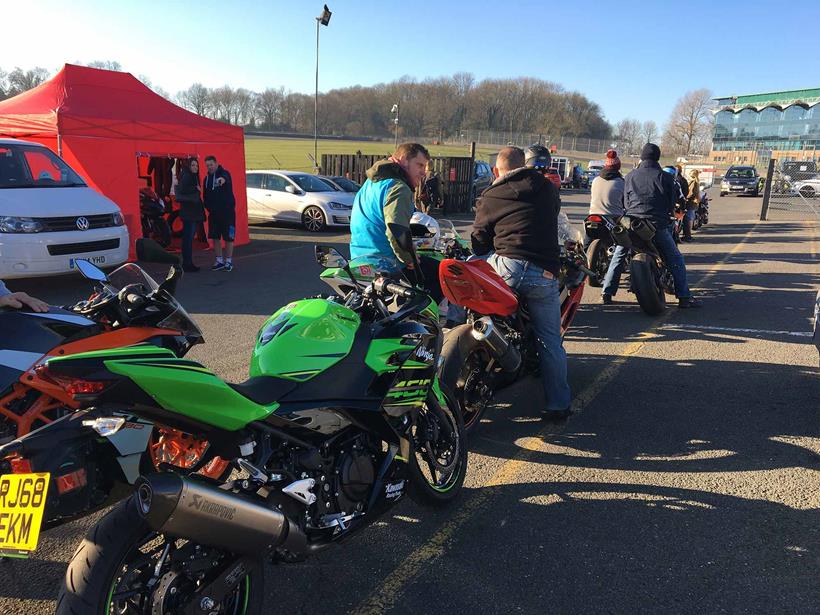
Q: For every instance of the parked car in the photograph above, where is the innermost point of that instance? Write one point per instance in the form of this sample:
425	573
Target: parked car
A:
808	188
740	180
345	183
290	196
49	217
482	178
799	171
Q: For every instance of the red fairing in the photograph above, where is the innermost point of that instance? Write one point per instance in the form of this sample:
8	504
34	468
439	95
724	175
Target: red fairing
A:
476	285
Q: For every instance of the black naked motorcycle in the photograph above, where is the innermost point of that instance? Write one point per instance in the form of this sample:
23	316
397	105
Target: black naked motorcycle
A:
650	278
152	217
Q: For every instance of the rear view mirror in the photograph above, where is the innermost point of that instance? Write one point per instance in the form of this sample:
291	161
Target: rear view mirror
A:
170	283
290	189
330	258
92	272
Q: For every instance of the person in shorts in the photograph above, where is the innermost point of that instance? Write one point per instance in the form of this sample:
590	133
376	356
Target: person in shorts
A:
217	194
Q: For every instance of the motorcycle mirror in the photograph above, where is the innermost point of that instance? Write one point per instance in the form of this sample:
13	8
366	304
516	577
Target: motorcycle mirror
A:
169	285
405	240
91	272
329	257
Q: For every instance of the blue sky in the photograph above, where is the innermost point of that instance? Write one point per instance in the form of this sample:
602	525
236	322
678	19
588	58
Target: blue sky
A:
633	58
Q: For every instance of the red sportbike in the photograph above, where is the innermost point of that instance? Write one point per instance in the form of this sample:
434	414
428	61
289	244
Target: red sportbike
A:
497	345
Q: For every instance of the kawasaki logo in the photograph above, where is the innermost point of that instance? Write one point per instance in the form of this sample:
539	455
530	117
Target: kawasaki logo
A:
212	508
393	490
424	353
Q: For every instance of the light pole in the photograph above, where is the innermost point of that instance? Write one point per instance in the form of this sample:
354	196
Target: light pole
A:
321	20
395	110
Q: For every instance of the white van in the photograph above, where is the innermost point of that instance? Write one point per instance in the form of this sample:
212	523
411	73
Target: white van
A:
49	217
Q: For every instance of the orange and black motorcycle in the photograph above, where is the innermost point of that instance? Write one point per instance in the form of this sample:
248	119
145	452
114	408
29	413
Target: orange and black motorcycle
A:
40	429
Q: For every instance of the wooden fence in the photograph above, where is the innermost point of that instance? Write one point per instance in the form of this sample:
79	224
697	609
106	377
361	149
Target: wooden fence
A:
455	172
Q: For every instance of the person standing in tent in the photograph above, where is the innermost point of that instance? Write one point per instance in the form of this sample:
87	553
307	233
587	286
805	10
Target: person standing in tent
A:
190	211
220	202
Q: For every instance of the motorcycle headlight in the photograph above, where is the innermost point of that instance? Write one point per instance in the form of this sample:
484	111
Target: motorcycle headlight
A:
118	219
14	224
335	205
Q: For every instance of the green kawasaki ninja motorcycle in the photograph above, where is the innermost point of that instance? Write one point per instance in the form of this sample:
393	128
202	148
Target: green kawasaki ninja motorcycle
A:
342	415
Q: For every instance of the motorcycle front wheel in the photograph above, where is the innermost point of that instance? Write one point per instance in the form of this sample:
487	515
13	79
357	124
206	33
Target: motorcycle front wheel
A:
123	567
438	461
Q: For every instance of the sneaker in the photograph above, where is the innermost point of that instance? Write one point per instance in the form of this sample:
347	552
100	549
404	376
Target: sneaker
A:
218	267
227	267
556	415
684	303
190	268
607	299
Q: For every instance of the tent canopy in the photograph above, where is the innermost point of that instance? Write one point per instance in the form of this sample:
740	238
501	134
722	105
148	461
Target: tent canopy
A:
100	120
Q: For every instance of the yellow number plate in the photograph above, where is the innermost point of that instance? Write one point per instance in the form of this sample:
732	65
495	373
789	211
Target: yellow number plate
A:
22	503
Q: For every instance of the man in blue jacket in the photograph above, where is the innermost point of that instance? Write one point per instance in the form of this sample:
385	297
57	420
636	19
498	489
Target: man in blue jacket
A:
219	200
651	194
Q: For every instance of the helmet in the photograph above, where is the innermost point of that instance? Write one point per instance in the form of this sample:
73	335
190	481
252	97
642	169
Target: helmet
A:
537	157
425	230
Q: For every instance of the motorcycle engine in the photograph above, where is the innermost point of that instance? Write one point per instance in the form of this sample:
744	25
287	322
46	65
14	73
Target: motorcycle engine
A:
357	472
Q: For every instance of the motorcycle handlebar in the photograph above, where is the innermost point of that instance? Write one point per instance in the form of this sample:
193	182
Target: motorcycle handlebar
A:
383	286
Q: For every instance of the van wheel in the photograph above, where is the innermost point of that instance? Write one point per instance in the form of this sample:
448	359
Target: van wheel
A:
313	219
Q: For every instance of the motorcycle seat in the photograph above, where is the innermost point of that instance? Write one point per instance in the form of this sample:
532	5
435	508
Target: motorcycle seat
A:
264	390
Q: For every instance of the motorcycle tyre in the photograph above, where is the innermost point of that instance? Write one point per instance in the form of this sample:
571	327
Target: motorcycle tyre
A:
597	250
100	556
651	297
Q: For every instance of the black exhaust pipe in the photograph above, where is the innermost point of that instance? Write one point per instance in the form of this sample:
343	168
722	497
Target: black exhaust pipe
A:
185	508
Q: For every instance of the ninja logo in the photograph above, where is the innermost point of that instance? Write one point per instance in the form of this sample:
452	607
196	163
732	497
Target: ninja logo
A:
424	353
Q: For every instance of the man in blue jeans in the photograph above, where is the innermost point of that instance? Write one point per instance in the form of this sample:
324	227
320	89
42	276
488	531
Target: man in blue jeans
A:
650	193
517	219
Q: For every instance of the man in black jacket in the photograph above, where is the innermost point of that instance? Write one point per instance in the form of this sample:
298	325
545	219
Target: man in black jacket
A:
517	219
217	194
651	193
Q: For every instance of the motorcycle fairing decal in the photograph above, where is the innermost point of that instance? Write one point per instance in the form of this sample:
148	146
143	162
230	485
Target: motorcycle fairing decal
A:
300	376
19	359
385	355
132	438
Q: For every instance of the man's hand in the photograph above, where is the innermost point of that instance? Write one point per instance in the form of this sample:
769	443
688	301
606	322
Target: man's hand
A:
19	300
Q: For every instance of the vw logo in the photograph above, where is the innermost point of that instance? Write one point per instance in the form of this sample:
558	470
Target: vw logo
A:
83	224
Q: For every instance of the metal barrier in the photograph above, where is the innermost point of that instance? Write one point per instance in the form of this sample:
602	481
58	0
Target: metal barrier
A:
792	190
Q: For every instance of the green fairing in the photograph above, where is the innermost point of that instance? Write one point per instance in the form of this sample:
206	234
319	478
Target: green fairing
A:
303	339
189	389
382	350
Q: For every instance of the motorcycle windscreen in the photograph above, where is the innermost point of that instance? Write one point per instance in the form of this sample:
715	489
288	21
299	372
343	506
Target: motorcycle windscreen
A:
476	285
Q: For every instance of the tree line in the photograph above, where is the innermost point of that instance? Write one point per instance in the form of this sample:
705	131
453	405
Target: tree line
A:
435	108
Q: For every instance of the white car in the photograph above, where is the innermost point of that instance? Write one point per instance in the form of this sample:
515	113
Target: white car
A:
289	196
807	188
49	217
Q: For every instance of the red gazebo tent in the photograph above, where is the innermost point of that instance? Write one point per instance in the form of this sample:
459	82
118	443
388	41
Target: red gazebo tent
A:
102	121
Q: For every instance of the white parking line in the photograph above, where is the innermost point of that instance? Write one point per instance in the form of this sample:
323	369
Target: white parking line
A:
737	330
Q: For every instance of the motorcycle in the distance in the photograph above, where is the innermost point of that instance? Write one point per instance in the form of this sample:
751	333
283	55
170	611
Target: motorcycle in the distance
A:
343	415
600	250
702	212
650	278
152	216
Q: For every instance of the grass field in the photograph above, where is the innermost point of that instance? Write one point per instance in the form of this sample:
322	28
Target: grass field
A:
292	154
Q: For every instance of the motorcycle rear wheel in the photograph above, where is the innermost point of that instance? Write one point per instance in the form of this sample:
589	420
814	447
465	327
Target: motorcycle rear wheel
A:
598	259
115	559
466	371
646	285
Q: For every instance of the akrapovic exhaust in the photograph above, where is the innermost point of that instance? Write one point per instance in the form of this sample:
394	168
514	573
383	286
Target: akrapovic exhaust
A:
184	508
507	355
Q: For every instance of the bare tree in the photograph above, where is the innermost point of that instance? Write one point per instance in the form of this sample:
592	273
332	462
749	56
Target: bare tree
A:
649	131
196	98
689	127
20	80
628	132
268	106
106	65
